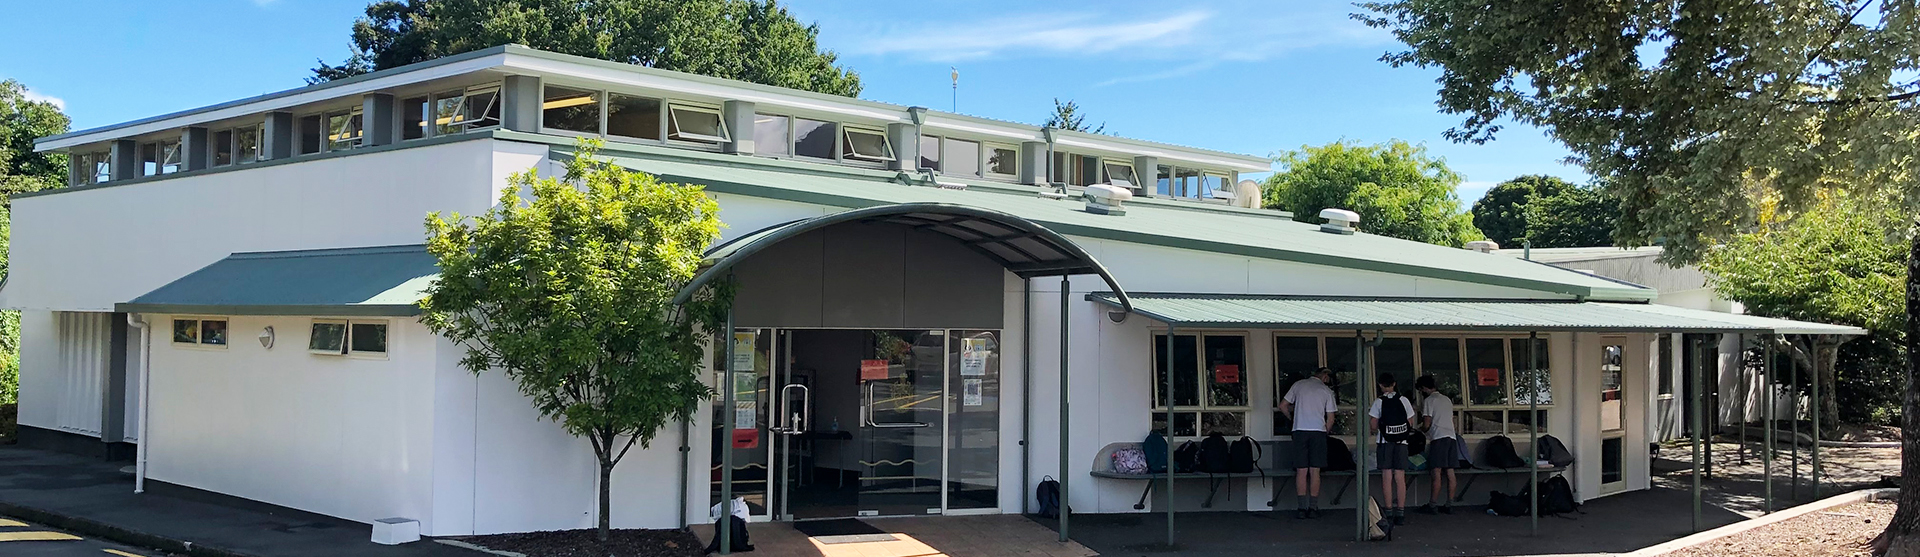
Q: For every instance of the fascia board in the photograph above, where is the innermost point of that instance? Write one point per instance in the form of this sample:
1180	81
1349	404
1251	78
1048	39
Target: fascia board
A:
1241	163
549	64
403	76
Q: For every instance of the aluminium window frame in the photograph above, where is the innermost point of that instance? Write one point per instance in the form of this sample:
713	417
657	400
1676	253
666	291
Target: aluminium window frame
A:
386	339
786	140
346	330
674	132
986	161
199	332
600	111
847	153
1106	169
1246	410
354	118
1510	375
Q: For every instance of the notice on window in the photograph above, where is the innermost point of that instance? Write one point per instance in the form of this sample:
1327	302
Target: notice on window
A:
973	357
971	392
1226	373
1487	377
743	351
873	370
746	424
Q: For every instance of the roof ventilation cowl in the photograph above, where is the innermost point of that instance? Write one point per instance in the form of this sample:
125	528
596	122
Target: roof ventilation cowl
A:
1106	199
1339	221
1483	246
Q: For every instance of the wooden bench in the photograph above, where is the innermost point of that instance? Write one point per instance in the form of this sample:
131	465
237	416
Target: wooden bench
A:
1283	476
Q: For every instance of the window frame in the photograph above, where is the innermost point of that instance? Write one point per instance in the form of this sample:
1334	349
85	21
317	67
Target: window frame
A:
1204	406
259	132
1461	407
347	348
345	330
986	161
354	118
674	132
463	118
786	139
199	331
1107	166
599	97
847	151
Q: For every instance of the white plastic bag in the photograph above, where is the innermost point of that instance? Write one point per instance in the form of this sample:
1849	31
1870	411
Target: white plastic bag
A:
739	510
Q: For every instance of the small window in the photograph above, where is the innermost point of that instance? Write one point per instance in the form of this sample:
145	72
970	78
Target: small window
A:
569	109
1120	174
200	332
770	137
696	123
102	167
868	145
328	337
223	147
930	152
246	144
170	156
1163	180
480	108
813	138
312	128
343	130
1216	186
631	116
367	338
961	157
413	118
149	159
1001	161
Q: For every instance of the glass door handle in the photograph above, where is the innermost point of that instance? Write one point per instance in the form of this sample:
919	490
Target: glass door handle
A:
800	420
868	411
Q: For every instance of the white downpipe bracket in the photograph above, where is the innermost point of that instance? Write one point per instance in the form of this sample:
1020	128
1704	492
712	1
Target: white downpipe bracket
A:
146	391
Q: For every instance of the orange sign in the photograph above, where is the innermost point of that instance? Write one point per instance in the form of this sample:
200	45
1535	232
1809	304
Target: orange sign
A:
873	370
746	438
1226	373
1487	377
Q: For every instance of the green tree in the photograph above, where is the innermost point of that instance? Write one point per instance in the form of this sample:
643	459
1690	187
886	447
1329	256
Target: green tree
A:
748	40
1067	116
1577	217
1397	189
1501	214
22	170
568	291
1695	111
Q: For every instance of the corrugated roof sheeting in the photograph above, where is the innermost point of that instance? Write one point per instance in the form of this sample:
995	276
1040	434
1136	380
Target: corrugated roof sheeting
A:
1283	312
386	280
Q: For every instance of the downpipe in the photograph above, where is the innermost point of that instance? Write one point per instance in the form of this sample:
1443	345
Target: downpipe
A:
146	399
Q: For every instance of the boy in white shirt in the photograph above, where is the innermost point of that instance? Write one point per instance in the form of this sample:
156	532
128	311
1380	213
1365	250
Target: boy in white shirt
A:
1310	404
1443	452
1393	426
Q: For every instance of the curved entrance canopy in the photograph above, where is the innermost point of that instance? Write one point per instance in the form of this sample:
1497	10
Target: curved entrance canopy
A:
1020	245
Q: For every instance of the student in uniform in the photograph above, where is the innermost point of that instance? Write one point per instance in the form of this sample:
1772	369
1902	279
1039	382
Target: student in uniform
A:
1443	452
1392	418
1310	404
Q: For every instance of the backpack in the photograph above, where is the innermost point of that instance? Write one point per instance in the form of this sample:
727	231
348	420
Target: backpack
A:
1378	527
1244	456
1508	505
1554	452
1186	457
1129	460
1556	497
1394	425
1417	444
1339	459
1155	451
1048	494
1497	452
737	538
1213	455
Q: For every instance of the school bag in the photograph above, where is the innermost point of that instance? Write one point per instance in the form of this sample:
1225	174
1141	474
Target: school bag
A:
1338	457
1394	426
1244	456
1508	505
1556	497
1129	460
1378	527
1186	457
1213	454
1416	444
1155	451
1048	495
1498	452
737	538
1553	451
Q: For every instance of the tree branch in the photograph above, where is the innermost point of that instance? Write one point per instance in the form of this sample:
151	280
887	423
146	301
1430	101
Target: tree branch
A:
1856	101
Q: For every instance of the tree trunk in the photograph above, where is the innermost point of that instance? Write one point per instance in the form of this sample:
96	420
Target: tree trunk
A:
1899	539
606	499
1826	357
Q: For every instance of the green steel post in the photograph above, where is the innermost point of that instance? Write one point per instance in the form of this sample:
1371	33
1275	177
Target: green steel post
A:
1533	431
1814	408
1360	433
1169	394
1793	418
1066	508
1699	380
1026	391
722	528
1746	397
1766	457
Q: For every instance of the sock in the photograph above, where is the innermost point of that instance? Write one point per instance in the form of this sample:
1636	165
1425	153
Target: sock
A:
1313	502
1303	502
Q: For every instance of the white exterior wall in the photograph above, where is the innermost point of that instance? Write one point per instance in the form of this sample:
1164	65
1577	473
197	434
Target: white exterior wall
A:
64	363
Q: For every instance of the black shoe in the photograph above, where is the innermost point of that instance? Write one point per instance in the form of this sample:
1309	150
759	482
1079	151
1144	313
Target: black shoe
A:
1399	519
1446	509
1313	512
1300	514
1427	509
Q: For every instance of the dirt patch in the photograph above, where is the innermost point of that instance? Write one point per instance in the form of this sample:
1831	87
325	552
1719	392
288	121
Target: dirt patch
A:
1854	433
581	543
1837	532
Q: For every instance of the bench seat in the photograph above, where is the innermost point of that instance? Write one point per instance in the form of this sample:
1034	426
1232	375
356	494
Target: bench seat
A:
1103	469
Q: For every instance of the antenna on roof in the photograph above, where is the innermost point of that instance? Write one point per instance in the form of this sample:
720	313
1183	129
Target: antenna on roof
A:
956	88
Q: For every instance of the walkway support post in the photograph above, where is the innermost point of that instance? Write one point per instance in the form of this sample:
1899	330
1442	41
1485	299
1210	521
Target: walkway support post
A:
1697	376
1793	417
723	529
1066	287
1772	398
1533	431
1360	449
1026	394
686	449
1746	398
1815	408
1168	352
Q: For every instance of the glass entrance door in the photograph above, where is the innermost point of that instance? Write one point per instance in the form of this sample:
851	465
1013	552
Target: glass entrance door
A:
901	439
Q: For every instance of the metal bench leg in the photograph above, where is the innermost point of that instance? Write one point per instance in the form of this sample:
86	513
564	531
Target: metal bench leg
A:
1143	497
1342	494
1278	487
1462	495
1213	487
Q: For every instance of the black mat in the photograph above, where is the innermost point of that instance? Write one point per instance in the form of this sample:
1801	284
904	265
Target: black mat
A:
835	527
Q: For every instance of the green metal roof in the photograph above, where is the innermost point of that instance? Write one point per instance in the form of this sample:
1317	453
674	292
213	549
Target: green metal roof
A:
1216	311
377	281
1223	231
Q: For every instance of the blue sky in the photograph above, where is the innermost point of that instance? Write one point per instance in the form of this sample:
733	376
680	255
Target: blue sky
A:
1242	76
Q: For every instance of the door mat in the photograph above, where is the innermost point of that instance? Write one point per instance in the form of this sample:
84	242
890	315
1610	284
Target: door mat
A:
835	527
857	538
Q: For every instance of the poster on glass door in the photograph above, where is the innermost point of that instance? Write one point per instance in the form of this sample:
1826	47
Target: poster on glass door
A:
973	357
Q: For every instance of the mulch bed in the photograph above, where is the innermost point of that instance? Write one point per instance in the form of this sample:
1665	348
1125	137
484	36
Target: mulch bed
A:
1837	532
582	543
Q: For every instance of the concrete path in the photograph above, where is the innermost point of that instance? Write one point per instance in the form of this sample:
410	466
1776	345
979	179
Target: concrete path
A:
947	536
21	539
91	497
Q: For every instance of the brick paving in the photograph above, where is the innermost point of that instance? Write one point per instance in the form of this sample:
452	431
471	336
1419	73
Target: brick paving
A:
948	536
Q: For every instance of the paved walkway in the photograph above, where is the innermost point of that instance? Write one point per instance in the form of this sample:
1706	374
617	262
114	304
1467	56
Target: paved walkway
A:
948	536
92	497
20	539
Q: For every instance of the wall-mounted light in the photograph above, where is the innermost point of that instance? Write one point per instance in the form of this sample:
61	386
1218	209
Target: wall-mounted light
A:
266	338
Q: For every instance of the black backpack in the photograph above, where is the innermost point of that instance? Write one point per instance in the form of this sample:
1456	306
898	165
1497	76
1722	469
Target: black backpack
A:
1556	497
737	538
1339	459
1508	505
1553	451
1048	494
1497	452
1155	449
1186	457
1395	426
1244	456
1213	455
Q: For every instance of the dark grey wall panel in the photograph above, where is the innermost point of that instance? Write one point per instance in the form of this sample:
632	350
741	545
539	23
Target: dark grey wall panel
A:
865	276
878	276
780	286
950	286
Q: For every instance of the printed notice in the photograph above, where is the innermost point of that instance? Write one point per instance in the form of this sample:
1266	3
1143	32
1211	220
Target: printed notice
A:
973	357
1487	377
873	370
743	351
972	392
1226	373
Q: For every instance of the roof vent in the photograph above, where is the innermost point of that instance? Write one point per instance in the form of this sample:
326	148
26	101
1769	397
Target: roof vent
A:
1339	221
1483	246
1246	194
1106	199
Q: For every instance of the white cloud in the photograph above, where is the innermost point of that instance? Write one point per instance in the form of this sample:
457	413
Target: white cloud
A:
36	96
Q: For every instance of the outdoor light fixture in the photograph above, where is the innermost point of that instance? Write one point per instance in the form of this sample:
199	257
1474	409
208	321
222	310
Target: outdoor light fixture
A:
266	338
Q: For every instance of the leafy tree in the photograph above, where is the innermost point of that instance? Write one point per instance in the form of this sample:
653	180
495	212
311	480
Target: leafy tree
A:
1577	217
1067	116
1397	189
568	291
748	40
1501	214
1696	111
22	170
